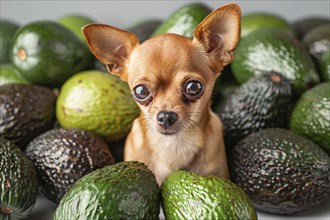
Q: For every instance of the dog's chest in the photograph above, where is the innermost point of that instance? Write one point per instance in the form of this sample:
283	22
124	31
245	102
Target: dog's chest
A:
175	152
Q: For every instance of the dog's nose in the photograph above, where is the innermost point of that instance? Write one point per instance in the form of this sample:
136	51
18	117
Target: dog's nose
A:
166	119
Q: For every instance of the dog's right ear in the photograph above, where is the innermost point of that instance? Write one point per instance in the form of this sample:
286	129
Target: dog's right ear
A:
111	46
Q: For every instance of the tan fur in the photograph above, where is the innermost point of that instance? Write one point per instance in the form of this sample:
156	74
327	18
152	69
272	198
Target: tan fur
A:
163	64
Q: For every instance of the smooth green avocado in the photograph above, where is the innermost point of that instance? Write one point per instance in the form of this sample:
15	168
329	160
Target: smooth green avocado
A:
267	50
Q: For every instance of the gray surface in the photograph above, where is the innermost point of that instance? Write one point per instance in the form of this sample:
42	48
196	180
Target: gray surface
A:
125	13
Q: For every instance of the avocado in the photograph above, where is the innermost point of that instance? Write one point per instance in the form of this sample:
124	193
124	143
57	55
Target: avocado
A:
187	195
311	115
18	182
274	50
257	20
75	22
7	31
97	102
324	65
9	75
305	24
224	86
62	156
126	190
317	41
281	172
47	53
144	29
26	111
184	20
261	102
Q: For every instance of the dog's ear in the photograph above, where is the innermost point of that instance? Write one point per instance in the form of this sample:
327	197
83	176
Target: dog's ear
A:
219	33
111	46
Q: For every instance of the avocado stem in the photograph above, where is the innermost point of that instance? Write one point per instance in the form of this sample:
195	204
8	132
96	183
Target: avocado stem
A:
6	210
22	55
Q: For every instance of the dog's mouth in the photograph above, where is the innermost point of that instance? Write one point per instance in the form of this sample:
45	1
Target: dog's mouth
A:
168	133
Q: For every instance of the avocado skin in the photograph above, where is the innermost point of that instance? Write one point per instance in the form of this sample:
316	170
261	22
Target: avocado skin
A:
7	31
274	50
144	29
311	115
126	190
26	111
10	75
324	64
62	156
184	20
53	53
281	171
261	102
317	41
187	195
18	182
304	25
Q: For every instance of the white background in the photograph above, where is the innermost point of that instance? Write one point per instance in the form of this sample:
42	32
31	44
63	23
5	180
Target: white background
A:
123	14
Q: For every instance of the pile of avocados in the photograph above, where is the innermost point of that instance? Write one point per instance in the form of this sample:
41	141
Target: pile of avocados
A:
64	120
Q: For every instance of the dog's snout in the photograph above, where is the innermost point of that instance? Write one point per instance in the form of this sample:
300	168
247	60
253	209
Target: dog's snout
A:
166	119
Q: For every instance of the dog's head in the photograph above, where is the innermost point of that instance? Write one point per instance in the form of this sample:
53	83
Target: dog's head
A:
171	76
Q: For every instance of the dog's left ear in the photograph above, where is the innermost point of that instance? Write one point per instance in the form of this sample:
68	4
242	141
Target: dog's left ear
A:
112	46
219	34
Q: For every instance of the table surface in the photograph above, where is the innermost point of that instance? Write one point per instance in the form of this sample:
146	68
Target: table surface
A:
44	210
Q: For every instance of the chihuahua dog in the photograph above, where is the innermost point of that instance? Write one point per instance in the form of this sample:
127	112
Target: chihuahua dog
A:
171	78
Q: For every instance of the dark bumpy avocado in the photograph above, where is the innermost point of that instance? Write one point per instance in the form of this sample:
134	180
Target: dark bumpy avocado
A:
281	171
262	102
62	156
25	112
324	64
18	182
126	190
187	195
7	31
47	53
311	115
267	50
184	20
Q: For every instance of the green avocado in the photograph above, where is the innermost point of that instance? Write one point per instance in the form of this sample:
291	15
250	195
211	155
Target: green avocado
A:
261	102
7	31
18	182
75	22
282	172
184	20
126	190
317	41
257	20
26	111
324	64
47	53
62	156
274	50
9	74
187	195
311	115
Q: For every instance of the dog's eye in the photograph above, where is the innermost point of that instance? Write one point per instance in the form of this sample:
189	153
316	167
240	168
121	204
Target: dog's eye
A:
193	89
142	94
